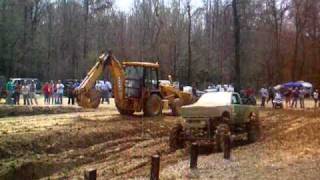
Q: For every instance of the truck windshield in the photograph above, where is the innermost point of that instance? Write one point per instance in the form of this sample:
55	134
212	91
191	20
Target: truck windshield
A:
235	99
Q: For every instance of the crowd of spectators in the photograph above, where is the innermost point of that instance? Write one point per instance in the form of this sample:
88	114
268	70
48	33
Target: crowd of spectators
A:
53	92
292	96
105	88
24	93
27	90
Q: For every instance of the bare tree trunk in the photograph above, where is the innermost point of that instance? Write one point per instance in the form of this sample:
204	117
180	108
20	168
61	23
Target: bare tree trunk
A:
85	40
49	41
236	21
189	75
295	55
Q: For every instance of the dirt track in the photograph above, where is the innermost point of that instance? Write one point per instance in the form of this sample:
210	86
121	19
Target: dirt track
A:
61	146
289	149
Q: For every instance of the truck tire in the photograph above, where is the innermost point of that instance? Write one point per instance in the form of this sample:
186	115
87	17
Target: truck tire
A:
124	111
153	106
253	129
222	130
176	107
175	141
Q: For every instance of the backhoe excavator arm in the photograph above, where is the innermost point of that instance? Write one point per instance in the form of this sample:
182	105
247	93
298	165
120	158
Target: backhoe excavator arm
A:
87	96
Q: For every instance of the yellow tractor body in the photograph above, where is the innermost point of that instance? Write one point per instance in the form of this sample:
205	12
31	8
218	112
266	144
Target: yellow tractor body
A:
136	88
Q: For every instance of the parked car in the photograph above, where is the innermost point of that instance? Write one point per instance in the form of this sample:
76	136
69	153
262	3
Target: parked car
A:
212	115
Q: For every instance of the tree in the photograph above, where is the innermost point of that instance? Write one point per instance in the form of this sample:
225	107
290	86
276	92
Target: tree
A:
189	43
236	21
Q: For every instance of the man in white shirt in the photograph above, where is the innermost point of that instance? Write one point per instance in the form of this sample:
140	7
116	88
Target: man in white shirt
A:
25	93
264	95
60	89
230	88
105	88
98	85
32	93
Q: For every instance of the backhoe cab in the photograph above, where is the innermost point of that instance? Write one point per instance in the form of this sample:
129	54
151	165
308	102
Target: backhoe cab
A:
136	88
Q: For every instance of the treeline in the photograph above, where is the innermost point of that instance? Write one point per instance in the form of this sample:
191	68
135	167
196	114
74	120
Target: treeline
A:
255	42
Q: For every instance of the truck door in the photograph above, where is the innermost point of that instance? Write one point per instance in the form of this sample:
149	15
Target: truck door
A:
237	108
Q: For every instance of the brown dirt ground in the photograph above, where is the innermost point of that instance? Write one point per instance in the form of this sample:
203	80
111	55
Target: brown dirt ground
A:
62	146
289	149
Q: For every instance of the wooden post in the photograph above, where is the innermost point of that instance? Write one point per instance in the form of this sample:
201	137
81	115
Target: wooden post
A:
209	128
90	174
194	156
227	146
155	167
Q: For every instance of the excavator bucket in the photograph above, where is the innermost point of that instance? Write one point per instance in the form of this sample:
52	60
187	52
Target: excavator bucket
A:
90	99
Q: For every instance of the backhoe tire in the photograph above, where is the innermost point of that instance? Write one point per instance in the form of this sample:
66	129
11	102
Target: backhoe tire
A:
124	111
175	138
153	106
253	129
176	107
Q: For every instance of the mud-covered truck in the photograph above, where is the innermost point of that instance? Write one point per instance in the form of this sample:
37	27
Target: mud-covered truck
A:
214	115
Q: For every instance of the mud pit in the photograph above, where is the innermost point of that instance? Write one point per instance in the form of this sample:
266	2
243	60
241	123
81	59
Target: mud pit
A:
288	149
61	146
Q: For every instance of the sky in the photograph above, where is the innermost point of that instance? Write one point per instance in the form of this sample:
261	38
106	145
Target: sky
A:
126	5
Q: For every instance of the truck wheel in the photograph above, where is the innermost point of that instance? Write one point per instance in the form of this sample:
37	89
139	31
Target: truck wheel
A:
153	106
176	107
175	138
124	111
222	130
253	129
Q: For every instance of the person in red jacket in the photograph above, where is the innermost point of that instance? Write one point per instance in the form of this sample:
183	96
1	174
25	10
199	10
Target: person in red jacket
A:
46	92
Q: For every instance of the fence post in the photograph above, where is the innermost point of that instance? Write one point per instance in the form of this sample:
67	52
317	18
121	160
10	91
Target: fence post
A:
155	167
227	146
90	174
194	156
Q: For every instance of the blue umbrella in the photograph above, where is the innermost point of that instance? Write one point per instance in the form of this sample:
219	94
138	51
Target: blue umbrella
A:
292	85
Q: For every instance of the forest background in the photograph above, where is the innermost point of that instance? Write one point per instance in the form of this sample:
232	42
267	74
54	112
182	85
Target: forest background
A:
245	42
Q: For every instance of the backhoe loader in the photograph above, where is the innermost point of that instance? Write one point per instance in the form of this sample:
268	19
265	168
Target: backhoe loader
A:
136	88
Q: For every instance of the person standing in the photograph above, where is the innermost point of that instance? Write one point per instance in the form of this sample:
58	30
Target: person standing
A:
46	92
271	95
52	94
25	93
70	93
105	92
60	89
17	92
110	88
264	95
316	98
295	97
301	97
10	90
32	93
287	95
